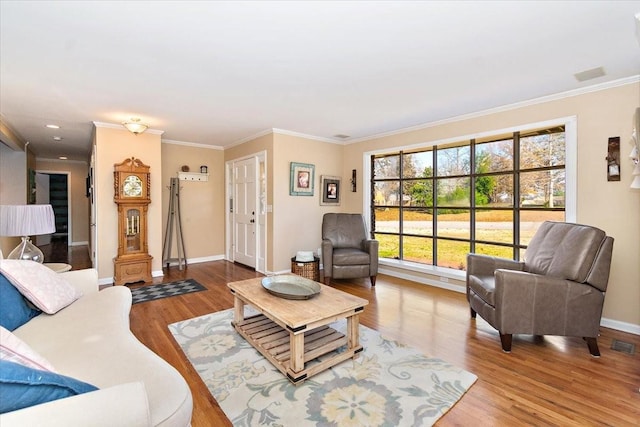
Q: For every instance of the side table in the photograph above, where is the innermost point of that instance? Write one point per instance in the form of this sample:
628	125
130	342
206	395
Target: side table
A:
307	269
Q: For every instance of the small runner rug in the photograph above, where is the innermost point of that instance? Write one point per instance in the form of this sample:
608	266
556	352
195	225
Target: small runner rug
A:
388	384
163	290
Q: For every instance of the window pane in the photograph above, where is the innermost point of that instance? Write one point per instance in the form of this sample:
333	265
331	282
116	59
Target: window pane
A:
494	191
417	222
493	250
494	226
417	165
453	192
389	246
386	193
543	189
387	220
418	249
453	223
531	220
386	167
539	151
496	156
452	254
417	192
454	161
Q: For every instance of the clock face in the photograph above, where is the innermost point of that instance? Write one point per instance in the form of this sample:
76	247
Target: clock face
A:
132	186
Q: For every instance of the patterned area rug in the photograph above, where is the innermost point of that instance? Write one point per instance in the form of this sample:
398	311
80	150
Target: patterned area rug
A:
387	385
163	290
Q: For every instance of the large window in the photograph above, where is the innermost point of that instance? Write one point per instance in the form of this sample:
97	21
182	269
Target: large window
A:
484	195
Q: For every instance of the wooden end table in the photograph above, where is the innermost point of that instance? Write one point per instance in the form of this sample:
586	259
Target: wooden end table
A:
290	333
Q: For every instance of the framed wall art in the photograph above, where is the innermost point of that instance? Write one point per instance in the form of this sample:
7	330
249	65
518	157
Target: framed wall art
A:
330	190
302	178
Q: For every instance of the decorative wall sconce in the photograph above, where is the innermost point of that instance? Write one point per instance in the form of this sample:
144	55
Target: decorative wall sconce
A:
135	126
613	159
353	180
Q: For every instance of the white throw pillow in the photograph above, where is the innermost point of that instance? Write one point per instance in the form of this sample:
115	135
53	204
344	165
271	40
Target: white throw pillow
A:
45	288
15	350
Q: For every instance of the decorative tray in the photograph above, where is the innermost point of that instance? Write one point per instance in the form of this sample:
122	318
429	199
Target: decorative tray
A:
290	286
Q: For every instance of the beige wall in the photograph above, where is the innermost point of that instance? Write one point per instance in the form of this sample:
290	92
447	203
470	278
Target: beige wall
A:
201	203
78	201
297	220
113	145
612	206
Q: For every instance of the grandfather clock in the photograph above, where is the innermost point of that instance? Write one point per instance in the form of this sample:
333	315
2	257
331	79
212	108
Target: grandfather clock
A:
132	185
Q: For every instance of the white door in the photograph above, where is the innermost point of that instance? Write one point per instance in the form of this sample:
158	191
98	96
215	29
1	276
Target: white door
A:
42	198
244	212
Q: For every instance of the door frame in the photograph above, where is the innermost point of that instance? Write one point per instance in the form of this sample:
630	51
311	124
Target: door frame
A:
261	207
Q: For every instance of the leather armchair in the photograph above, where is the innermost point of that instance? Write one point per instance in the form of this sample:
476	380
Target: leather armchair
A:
559	289
347	250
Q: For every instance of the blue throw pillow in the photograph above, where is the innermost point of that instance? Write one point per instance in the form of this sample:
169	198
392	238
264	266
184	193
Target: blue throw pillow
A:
21	387
14	309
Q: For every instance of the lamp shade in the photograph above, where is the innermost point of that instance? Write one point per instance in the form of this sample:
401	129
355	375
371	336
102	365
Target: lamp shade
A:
26	220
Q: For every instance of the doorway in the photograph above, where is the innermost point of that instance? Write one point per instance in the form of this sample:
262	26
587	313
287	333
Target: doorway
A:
246	210
53	188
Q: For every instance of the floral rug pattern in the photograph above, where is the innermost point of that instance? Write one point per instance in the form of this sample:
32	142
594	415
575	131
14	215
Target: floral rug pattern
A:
388	384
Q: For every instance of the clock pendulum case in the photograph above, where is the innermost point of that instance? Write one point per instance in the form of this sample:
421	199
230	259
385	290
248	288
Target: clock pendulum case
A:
131	185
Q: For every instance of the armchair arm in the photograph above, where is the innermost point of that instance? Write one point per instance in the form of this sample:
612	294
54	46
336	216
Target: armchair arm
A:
485	265
371	247
327	257
542	305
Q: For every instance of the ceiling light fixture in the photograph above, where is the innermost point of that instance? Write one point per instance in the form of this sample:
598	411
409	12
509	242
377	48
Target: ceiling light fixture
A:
58	138
135	126
53	126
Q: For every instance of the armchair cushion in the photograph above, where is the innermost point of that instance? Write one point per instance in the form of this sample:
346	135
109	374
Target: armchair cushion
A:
563	250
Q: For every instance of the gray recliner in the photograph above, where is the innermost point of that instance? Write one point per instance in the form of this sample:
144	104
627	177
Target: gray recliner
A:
347	250
558	290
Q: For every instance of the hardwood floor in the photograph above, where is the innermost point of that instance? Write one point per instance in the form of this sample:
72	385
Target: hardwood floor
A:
547	381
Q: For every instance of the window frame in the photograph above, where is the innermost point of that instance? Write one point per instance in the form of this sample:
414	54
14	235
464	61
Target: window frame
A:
570	168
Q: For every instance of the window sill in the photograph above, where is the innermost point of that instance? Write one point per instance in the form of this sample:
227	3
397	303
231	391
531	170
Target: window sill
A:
441	277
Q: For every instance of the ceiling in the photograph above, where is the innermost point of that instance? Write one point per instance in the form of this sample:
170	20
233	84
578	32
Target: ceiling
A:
216	73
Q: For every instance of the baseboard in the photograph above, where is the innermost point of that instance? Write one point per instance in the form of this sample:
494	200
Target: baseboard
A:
620	326
79	243
199	260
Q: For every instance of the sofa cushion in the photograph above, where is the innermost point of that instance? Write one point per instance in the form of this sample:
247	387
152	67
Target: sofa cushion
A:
21	386
14	349
14	309
45	288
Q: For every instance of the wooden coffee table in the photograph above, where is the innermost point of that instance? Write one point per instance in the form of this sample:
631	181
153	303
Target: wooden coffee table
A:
291	333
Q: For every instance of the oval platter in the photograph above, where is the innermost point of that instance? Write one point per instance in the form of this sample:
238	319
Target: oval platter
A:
290	286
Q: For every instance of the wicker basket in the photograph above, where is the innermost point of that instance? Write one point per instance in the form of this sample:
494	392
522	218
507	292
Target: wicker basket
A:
306	269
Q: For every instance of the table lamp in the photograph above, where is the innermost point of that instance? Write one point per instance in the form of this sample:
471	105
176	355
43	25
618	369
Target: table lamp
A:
25	221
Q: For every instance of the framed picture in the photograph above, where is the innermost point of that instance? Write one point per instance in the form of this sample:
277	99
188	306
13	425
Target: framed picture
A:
331	189
302	179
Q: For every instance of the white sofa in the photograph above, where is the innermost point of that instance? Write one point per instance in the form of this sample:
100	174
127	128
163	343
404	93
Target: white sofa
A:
90	340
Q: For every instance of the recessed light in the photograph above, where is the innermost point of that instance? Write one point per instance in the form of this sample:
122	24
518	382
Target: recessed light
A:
58	138
53	126
63	157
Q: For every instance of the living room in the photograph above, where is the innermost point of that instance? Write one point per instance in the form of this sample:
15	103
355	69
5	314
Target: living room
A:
598	111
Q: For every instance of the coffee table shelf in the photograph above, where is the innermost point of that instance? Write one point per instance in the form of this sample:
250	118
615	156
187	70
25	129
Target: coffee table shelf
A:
293	334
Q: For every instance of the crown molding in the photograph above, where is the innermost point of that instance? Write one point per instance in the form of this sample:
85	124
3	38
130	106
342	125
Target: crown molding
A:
541	100
306	136
191	144
119	126
249	138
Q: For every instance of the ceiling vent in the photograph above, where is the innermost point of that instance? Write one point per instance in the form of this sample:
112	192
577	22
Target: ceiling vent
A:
593	73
